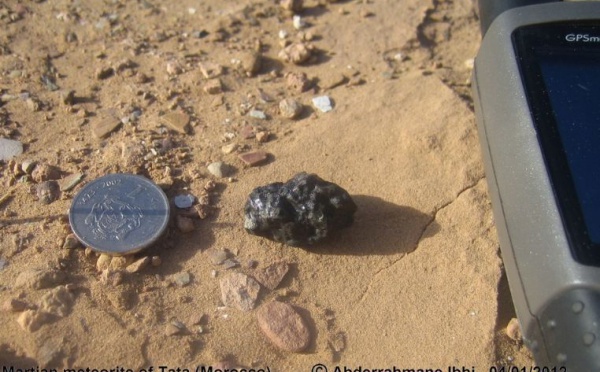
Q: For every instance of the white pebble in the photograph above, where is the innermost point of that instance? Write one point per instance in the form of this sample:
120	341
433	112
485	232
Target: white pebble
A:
323	103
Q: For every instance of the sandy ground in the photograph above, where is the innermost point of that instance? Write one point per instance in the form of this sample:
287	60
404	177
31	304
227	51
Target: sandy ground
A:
416	282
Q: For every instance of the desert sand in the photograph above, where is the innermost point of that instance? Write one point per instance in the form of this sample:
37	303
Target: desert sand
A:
417	280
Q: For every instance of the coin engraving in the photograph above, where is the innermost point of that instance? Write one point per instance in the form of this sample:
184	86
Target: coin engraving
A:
113	219
119	213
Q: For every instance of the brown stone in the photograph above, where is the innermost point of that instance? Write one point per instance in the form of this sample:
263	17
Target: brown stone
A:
239	291
101	128
294	6
296	53
45	172
263	136
297	81
71	242
513	330
138	265
272	275
178	121
103	262
253	158
283	326
69	182
290	108
247	132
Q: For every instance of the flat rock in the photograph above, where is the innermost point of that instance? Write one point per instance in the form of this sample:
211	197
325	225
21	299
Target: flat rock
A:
138	265
184	201
182	279
39	279
103	127
239	291
272	275
283	326
10	148
219	169
216	256
69	182
254	158
322	103
178	121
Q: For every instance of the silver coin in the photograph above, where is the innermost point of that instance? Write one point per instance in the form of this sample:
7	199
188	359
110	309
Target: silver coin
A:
119	214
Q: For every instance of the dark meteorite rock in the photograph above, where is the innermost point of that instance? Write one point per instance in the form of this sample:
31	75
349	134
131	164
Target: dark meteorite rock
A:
302	211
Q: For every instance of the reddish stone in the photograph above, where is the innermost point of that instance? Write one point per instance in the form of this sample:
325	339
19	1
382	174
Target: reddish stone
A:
283	326
253	158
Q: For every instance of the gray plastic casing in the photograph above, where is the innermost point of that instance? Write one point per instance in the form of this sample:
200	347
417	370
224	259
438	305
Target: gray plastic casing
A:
557	300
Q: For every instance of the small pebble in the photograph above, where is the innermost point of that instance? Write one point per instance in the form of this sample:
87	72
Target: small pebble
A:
27	166
184	201
230	263
290	108
292	5
185	224
71	242
103	262
10	148
47	191
104	73
68	183
39	279
101	128
253	158
263	136
297	81
272	275
178	121
228	149
257	114
513	330
247	132
216	256
323	103
296	53
138	265
45	172
156	261
182	279
219	169
173	329
283	326
239	291
298	22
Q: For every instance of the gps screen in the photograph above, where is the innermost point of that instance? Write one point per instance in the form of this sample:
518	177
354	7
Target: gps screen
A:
573	86
560	68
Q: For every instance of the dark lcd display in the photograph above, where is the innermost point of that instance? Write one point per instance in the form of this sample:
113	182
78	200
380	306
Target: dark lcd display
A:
573	86
560	68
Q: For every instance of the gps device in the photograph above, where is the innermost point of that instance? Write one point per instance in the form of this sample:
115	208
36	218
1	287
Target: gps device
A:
536	86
